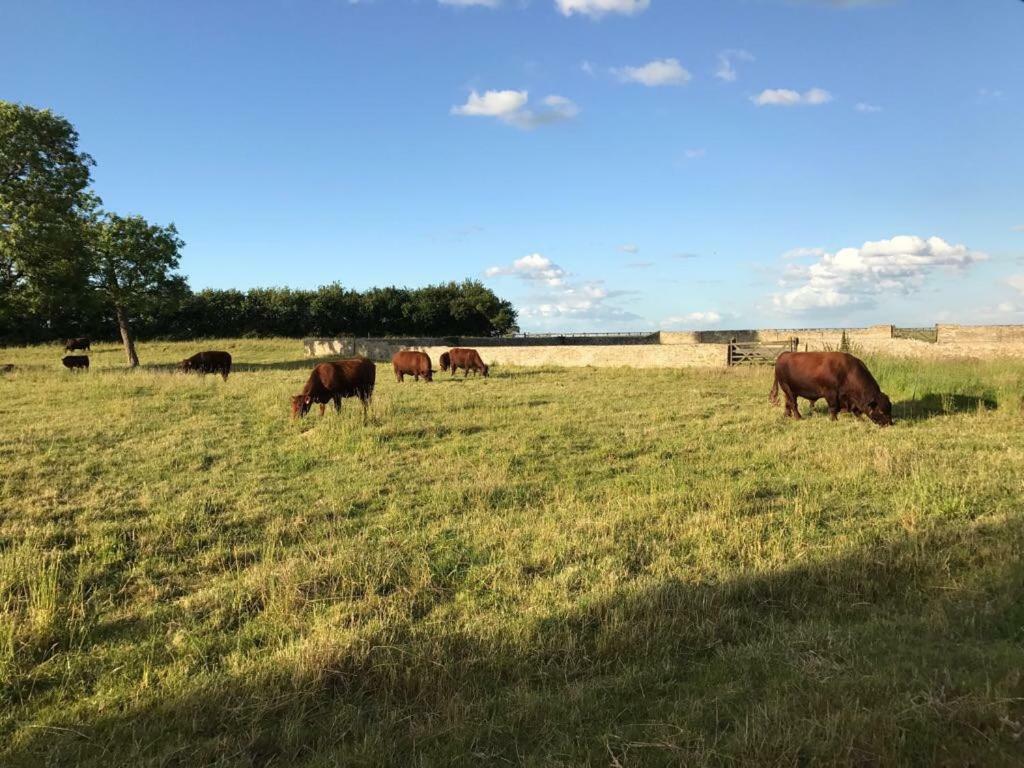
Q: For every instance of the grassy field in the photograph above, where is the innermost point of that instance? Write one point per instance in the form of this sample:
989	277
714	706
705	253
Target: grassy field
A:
545	568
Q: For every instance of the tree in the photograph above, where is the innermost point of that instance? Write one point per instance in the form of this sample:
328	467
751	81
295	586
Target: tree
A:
44	195
132	270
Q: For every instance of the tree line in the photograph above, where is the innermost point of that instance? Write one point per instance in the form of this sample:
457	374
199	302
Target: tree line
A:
69	268
451	309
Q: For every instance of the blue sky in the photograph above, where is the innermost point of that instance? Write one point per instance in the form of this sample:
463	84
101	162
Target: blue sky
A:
592	160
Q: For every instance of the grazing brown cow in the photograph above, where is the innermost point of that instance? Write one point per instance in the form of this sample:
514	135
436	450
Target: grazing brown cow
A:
843	380
408	362
74	362
208	362
466	359
70	345
352	377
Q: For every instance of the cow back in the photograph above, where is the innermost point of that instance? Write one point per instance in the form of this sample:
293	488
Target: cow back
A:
351	377
75	361
412	362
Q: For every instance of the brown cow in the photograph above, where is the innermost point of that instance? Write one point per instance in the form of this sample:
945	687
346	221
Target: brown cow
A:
70	345
409	362
843	380
74	362
352	377
466	359
207	362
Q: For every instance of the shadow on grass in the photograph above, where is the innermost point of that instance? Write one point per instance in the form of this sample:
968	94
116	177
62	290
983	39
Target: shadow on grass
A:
304	364
870	659
942	404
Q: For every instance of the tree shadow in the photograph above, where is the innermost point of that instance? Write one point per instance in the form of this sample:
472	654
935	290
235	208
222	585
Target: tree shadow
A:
902	653
306	364
303	364
942	404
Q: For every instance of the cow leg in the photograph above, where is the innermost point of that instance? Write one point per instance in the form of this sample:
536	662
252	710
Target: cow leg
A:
792	406
323	407
337	403
833	405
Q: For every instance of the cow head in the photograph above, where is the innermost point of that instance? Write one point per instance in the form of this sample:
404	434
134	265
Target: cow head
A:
301	405
429	375
879	409
487	370
185	365
446	360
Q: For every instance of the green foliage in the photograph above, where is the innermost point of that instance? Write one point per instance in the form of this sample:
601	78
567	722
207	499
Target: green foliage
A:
452	309
134	262
44	196
546	567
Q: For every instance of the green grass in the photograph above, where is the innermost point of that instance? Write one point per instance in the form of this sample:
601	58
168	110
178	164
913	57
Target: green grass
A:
547	568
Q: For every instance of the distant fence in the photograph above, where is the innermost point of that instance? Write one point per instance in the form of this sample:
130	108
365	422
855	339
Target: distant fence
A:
931	335
759	352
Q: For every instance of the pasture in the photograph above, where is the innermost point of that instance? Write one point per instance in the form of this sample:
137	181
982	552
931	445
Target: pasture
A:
543	568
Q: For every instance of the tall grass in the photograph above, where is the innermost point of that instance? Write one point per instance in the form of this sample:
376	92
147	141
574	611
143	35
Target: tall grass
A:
546	567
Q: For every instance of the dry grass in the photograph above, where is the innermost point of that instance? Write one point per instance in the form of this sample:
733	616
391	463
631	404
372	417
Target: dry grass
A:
548	567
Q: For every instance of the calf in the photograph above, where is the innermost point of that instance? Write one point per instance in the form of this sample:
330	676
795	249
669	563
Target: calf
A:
70	345
353	377
843	380
207	362
416	364
75	362
466	359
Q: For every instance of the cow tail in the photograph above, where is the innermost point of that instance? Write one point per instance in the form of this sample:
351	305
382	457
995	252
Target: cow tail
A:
773	396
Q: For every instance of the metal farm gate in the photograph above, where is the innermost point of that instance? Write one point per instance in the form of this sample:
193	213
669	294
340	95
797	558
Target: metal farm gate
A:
759	352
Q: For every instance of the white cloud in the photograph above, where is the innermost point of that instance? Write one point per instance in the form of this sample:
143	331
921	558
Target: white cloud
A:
1018	228
866	108
695	153
585	302
783	97
727	64
640	264
853	277
499	104
629	248
694	318
1016	281
654	73
532	267
466	3
598	8
1007	307
587	68
510	107
557	299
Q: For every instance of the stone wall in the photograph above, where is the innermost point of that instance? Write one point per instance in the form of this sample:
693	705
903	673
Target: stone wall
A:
570	355
669	349
984	334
